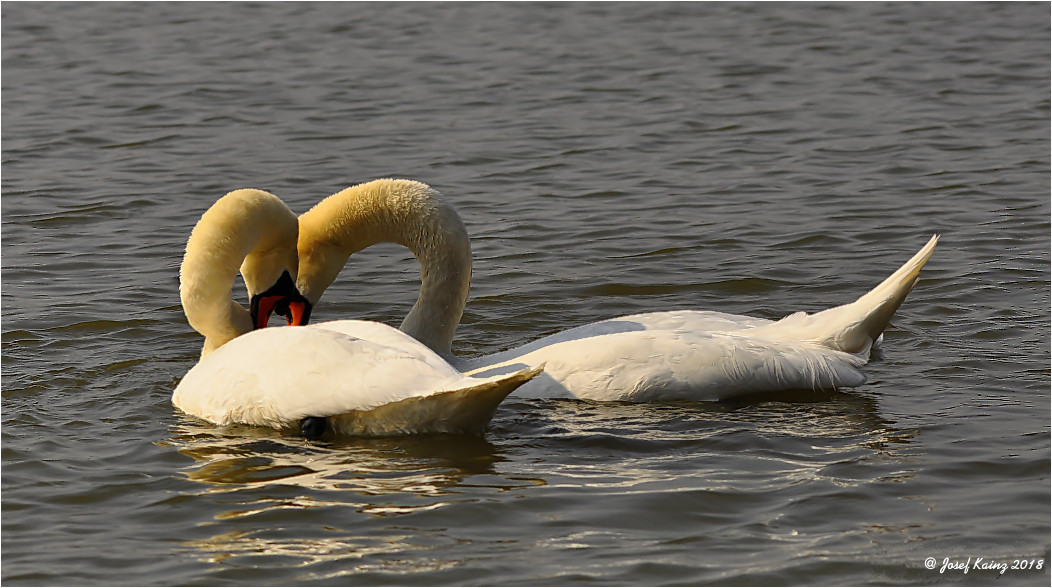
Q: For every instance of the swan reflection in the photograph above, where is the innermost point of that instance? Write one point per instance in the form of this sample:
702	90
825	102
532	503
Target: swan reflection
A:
276	496
397	505
323	557
251	457
754	445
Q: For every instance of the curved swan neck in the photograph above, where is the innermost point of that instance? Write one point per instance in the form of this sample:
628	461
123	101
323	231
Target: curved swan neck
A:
405	212
247	230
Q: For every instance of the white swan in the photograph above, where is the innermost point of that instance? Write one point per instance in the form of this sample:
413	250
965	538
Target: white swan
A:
665	355
317	378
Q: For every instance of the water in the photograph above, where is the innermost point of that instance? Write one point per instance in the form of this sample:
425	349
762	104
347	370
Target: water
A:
607	159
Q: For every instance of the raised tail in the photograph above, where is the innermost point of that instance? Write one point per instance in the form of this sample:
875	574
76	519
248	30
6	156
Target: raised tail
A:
855	327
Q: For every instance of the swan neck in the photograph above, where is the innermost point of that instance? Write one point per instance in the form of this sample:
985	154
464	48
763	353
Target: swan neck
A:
405	212
250	231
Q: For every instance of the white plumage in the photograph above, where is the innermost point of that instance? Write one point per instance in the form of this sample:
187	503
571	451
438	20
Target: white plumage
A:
671	355
390	384
277	377
693	355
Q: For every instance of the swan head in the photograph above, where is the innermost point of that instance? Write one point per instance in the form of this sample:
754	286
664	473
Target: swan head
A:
282	299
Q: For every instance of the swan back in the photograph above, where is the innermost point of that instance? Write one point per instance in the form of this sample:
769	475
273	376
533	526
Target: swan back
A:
247	230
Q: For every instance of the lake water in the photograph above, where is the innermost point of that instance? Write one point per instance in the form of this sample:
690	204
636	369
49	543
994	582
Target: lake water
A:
607	159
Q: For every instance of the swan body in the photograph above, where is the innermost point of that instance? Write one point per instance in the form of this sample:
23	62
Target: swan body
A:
388	384
692	355
670	356
360	387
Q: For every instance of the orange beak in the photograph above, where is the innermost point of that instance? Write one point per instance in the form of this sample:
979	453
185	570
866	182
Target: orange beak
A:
282	298
265	309
299	314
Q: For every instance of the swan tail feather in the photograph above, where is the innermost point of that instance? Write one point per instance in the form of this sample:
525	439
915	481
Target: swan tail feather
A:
463	410
879	304
856	327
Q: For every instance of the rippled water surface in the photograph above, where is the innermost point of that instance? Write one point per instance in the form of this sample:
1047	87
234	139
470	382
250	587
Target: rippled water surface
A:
607	159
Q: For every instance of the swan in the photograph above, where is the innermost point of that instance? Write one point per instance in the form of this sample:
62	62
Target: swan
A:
689	355
320	378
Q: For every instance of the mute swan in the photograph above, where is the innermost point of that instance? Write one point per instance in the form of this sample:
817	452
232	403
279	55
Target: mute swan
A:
317	378
694	355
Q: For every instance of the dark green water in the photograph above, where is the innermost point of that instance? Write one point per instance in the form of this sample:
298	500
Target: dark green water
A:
607	159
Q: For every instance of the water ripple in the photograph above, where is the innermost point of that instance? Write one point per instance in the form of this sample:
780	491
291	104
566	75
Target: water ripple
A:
607	159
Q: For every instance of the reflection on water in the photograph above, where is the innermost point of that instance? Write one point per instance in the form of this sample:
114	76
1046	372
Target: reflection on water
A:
609	159
241	457
740	447
399	505
352	555
425	465
260	475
